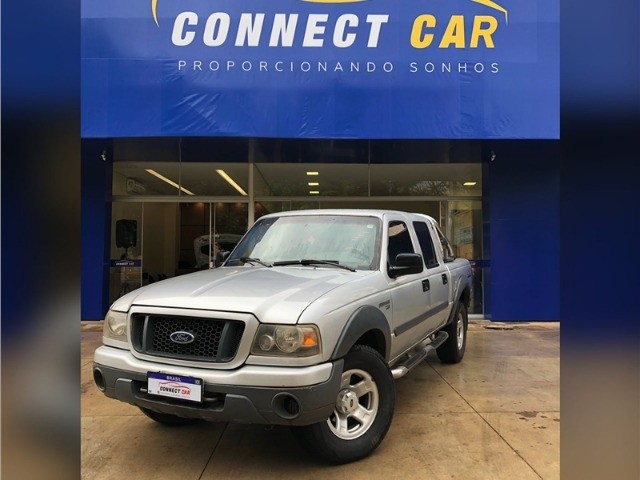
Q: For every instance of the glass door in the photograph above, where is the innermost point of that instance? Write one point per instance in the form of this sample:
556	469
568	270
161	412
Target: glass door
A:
207	230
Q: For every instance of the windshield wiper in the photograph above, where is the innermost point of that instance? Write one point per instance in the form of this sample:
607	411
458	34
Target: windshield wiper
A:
250	260
309	261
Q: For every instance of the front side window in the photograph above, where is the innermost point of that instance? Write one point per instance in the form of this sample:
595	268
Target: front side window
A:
348	240
399	241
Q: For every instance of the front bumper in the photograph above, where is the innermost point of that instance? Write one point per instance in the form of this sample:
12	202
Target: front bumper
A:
250	394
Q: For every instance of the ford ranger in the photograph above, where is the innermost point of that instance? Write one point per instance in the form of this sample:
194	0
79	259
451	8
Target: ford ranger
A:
307	324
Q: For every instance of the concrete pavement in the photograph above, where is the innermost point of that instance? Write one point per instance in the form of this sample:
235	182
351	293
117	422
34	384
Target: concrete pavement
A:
496	415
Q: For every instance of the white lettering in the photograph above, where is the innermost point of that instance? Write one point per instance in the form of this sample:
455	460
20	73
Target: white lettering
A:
314	29
248	31
341	40
179	37
181	63
387	67
263	66
197	64
283	30
216	29
376	22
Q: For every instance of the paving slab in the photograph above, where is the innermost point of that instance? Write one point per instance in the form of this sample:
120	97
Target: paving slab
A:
423	390
434	446
94	403
117	447
534	435
90	340
493	416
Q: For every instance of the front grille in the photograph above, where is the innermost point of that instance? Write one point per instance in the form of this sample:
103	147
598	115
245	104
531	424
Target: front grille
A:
215	340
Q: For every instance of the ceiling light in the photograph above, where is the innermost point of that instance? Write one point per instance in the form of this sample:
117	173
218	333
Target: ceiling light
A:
312	173
224	175
469	184
313	184
170	182
314	192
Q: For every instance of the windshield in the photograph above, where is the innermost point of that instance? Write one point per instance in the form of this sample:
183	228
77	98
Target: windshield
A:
347	240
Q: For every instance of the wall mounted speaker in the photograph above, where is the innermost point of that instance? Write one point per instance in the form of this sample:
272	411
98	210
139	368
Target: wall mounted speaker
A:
126	233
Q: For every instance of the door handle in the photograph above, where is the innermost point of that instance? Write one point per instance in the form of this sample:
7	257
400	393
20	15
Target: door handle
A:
425	285
445	280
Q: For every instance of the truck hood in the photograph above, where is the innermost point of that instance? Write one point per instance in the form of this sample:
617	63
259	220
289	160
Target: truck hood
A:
273	295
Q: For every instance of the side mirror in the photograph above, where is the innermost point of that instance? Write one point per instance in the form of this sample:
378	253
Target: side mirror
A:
224	255
406	264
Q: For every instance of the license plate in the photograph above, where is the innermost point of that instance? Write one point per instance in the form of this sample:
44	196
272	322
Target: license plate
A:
174	386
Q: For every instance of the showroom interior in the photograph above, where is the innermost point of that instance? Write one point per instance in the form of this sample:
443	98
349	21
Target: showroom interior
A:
170	197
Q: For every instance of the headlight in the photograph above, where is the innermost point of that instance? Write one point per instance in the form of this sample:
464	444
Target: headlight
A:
287	340
115	325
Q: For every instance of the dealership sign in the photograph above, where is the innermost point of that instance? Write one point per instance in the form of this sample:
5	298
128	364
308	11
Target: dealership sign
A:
321	68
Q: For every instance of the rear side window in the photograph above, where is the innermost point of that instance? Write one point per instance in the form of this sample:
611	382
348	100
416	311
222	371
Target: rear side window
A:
399	241
426	244
445	246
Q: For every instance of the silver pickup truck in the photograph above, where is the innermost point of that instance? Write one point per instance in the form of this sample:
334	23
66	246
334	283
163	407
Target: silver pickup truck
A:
307	324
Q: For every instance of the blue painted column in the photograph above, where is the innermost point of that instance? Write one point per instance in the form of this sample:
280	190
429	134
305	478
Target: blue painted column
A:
522	185
95	226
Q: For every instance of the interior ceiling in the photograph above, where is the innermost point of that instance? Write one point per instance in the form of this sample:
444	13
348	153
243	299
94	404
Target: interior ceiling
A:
202	178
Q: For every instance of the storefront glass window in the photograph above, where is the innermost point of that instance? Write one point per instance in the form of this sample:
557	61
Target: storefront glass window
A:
426	180
461	222
309	179
439	178
216	179
125	271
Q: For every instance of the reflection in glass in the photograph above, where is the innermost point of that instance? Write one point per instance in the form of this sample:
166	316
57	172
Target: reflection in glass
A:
346	240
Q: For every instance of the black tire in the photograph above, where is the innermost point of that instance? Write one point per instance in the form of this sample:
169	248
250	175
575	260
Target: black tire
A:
166	418
364	367
451	351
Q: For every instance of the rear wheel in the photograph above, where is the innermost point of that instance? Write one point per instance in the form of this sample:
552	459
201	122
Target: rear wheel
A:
362	414
166	418
452	350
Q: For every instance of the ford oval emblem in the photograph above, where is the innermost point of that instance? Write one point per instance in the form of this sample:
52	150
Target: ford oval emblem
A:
182	337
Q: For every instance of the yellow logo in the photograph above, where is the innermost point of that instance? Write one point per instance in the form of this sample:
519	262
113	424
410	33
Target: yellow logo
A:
486	3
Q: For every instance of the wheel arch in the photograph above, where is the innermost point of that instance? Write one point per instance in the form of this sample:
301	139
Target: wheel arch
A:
366	326
463	295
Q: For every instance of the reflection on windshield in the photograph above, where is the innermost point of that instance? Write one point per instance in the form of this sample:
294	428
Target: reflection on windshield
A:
348	240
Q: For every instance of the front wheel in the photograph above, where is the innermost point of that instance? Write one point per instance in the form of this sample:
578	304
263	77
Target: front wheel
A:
452	350
362	413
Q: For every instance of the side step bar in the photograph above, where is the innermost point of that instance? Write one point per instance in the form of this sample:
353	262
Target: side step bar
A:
417	356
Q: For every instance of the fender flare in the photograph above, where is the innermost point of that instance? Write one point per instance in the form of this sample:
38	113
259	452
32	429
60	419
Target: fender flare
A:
363	320
459	290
